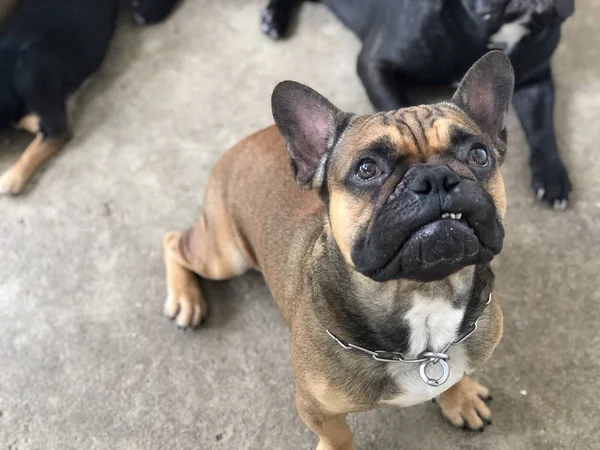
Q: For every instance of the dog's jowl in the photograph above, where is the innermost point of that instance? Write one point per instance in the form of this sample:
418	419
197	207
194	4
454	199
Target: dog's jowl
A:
376	246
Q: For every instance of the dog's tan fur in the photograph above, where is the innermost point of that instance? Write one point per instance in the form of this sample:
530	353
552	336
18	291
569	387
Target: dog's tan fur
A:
247	223
464	404
6	9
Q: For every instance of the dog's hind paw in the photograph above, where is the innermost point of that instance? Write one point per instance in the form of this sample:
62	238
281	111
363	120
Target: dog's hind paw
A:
185	303
186	306
464	405
11	183
146	12
273	24
550	182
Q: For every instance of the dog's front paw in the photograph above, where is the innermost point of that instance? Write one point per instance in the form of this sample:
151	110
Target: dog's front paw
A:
273	23
185	304
12	183
464	405
550	182
146	12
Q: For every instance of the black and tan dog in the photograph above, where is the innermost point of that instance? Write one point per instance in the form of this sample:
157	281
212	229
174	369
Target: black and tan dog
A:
48	48
409	44
384	256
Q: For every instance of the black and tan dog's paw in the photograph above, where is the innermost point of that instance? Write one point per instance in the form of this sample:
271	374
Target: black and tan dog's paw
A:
274	22
550	182
147	12
12	182
464	405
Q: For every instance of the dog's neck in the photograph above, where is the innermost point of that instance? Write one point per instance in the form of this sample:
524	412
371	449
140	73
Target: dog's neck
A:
400	315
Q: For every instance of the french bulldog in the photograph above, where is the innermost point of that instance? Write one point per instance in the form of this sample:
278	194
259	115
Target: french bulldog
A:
375	235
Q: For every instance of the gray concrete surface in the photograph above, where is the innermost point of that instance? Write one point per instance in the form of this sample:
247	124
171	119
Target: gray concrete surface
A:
88	362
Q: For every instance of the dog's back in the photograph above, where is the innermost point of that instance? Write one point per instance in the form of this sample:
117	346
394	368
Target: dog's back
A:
64	41
75	33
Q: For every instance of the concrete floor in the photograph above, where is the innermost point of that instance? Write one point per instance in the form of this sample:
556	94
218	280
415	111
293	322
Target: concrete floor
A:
88	362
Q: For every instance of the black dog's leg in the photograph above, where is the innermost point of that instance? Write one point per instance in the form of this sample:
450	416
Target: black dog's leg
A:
49	124
146	12
38	82
276	17
534	103
384	85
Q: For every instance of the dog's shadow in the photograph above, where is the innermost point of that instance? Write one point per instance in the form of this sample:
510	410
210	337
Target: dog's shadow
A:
243	295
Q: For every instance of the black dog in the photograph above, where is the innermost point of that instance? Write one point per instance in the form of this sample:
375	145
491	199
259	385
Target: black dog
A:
408	44
47	49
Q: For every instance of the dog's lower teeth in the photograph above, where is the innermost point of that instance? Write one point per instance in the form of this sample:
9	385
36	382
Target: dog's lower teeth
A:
456	216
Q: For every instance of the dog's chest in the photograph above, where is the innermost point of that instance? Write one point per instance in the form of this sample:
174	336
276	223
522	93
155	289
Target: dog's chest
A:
434	323
510	34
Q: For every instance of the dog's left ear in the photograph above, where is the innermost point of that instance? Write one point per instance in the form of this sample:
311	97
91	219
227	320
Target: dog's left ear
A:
485	92
310	125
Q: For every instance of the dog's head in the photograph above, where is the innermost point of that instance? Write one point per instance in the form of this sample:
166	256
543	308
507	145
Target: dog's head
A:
414	193
545	11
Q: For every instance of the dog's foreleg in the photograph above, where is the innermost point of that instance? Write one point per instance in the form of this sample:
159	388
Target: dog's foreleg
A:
43	147
534	103
333	431
384	85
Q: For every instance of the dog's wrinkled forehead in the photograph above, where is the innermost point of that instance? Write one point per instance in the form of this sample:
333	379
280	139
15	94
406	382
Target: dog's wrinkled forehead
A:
418	133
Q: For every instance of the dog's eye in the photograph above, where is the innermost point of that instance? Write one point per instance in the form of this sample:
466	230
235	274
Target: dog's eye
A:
478	156
367	169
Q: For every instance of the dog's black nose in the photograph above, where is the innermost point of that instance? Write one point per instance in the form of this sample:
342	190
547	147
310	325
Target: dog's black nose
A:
434	180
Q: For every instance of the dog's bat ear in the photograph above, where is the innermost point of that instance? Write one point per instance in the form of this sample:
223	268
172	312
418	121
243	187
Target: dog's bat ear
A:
309	124
485	92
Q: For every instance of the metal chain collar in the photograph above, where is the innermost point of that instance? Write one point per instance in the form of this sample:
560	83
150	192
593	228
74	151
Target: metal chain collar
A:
425	358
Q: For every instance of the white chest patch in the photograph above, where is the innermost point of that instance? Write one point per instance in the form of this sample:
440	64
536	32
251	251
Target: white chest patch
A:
433	323
510	34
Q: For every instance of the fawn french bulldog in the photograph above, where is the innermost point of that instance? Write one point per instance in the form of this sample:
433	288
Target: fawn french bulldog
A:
375	245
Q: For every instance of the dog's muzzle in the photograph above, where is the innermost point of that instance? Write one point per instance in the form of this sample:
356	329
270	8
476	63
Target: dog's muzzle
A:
433	224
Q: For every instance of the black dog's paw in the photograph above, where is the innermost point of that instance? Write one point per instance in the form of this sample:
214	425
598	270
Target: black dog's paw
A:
274	23
550	182
146	12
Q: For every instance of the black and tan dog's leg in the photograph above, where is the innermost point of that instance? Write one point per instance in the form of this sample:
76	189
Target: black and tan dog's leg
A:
332	429
43	147
464	405
208	250
534	103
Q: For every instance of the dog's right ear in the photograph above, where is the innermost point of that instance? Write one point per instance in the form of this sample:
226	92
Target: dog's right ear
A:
310	125
485	92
